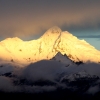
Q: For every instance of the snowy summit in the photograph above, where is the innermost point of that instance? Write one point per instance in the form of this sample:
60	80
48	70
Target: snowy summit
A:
47	46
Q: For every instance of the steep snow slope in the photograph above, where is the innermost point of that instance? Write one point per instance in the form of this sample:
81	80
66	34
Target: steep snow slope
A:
47	46
77	50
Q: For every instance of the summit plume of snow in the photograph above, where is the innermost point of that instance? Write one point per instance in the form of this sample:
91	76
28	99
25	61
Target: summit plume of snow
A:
47	46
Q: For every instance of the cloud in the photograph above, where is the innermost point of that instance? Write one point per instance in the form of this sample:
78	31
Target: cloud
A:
5	84
93	89
37	77
28	18
41	71
48	76
89	36
39	89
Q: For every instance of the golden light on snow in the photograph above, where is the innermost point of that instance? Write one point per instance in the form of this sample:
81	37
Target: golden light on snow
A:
47	46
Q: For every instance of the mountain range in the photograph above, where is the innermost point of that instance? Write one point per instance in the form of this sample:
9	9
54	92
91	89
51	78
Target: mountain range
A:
47	46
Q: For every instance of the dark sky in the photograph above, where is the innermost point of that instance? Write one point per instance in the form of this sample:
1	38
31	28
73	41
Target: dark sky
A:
27	18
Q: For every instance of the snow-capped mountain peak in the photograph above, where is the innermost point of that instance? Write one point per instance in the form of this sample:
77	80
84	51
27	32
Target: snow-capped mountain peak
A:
47	46
77	50
52	31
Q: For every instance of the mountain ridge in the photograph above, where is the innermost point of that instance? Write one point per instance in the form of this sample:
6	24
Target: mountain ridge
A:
47	46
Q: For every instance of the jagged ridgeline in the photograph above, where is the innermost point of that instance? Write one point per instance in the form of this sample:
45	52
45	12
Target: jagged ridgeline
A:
47	46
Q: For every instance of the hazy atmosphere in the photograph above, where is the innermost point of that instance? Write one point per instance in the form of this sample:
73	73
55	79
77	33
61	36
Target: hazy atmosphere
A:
29	19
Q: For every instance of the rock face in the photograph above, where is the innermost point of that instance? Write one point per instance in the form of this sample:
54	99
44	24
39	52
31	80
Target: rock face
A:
63	59
47	46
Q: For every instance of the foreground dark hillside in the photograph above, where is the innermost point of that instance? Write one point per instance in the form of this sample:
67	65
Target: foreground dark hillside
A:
58	95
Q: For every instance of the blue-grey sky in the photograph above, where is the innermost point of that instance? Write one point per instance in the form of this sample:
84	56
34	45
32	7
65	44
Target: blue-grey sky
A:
28	19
